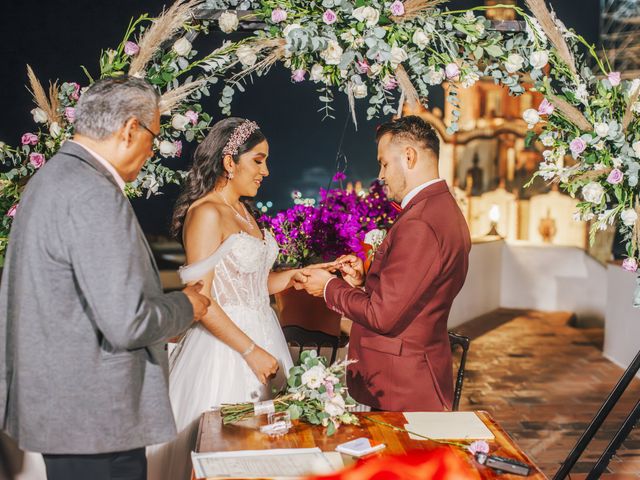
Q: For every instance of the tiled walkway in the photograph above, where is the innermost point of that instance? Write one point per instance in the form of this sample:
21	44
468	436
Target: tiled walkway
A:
543	380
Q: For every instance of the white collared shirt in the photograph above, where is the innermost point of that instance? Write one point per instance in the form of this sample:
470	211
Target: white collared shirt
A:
110	168
409	196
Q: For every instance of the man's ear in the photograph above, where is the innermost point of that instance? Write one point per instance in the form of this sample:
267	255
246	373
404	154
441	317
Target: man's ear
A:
128	131
411	157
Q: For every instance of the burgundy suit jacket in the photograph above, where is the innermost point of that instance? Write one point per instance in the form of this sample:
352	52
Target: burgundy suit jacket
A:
399	335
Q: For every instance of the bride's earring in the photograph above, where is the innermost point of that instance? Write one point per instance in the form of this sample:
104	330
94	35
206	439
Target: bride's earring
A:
230	175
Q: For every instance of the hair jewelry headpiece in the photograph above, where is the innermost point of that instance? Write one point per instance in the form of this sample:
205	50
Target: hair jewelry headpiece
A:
239	136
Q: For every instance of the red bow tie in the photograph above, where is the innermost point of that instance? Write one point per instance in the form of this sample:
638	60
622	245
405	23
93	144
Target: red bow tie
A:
396	206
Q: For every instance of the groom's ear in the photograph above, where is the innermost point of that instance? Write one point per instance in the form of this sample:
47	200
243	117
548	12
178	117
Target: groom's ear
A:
411	157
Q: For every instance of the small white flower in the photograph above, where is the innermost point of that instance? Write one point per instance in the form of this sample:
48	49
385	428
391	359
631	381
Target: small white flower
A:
335	406
601	129
398	55
629	217
179	122
581	92
314	377
547	139
359	90
349	36
55	130
470	79
332	54
369	15
317	73
617	162
228	22
182	47
375	69
593	192
434	76
168	149
531	116
39	116
290	28
539	59
636	148
247	55
421	39
599	145
514	63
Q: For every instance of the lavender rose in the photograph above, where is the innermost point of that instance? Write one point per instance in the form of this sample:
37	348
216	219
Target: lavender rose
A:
397	8
630	264
192	116
615	177
36	159
452	71
614	78
298	75
278	15
131	48
577	146
70	114
329	17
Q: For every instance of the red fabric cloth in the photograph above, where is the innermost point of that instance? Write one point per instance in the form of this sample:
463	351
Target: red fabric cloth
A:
399	335
439	464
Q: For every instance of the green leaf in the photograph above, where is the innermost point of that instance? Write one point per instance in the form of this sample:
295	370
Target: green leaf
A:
494	50
294	411
331	429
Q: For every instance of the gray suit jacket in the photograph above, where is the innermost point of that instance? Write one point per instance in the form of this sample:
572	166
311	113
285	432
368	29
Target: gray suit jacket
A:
83	318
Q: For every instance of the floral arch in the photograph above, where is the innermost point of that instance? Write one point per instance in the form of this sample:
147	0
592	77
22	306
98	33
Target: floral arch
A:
587	123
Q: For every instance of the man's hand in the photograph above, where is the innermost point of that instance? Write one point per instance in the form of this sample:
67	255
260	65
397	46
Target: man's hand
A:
199	302
316	279
352	269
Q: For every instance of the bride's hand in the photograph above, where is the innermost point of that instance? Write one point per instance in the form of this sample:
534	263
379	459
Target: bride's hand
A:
263	364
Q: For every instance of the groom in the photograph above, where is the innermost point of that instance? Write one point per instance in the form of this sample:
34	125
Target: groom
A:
399	334
83	372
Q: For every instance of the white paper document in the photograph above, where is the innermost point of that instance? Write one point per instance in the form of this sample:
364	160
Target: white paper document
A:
289	462
447	426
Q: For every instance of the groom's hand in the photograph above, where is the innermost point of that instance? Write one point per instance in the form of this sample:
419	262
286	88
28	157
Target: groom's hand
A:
316	280
352	269
199	302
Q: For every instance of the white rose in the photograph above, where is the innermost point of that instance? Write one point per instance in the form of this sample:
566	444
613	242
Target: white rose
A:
398	55
182	47
332	54
168	149
39	116
470	79
55	130
601	129
531	116
179	122
317	73
228	22
314	377
335	406
290	28
434	76
375	237
593	192
629	217
617	162
581	92
375	69
539	59
420	38
359	90
367	14
247	55
636	148
348	36
599	145
514	63
547	139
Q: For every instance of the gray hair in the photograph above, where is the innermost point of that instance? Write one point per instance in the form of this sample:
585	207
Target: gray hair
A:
107	104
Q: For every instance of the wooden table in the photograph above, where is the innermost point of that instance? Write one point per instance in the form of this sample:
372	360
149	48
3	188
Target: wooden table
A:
213	436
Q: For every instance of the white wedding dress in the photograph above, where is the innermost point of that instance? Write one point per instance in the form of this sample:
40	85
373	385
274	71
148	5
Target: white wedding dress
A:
203	371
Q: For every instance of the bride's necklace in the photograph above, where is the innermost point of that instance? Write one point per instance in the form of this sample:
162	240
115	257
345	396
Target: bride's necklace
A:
245	219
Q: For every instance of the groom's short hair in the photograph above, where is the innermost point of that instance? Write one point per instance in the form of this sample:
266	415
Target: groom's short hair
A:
107	104
413	129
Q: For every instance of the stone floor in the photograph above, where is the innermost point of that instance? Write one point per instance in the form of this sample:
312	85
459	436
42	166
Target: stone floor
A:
543	380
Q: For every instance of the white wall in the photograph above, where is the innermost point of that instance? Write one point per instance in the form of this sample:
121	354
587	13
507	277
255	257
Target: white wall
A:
481	291
622	328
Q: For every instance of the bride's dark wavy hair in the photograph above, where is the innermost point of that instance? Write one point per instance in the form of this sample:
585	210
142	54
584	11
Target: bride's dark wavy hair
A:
208	168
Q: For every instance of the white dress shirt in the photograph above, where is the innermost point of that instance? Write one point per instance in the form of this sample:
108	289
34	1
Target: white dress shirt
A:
110	168
409	196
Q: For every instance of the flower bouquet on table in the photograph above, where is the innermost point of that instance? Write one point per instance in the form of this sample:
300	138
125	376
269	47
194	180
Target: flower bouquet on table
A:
315	393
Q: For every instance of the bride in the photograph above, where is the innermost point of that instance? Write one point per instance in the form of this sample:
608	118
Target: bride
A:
234	353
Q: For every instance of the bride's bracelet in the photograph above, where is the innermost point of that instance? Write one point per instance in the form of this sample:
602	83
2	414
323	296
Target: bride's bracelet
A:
249	350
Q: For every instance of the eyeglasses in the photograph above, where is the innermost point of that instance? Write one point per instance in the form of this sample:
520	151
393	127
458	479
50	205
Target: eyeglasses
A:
154	135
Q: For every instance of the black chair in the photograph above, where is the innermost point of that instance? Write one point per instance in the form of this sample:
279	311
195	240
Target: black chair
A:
303	338
463	342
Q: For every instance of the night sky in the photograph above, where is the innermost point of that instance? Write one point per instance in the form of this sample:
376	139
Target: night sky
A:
56	37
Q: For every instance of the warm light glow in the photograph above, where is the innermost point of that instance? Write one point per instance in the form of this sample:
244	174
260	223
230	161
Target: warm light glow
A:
494	213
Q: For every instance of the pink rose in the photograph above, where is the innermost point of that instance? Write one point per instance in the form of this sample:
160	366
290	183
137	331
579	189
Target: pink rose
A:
192	116
70	114
545	107
615	177
452	71
397	8
329	387
131	48
298	75
178	144
29	139
278	15
390	83
75	95
12	211
329	17
629	264
36	159
362	66
479	446
614	78
577	146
